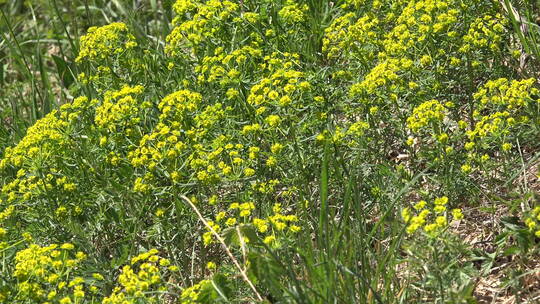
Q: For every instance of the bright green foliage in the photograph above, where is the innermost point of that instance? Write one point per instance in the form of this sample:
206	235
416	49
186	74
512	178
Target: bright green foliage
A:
268	150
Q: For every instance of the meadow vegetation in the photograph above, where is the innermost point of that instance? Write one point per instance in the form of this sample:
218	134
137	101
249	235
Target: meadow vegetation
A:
274	151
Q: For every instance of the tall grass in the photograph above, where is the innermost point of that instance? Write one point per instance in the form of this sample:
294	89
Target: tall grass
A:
525	19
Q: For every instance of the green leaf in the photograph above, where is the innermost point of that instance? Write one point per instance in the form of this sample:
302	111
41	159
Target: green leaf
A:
230	236
208	294
64	71
511	251
512	223
249	232
222	286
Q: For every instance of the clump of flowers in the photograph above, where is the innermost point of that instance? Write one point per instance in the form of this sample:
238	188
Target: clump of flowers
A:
101	43
120	110
167	141
484	32
48	137
207	20
51	274
344	35
433	217
292	12
429	112
511	95
502	109
107	53
45	144
140	280
271	229
418	20
384	74
45	135
229	68
532	221
192	295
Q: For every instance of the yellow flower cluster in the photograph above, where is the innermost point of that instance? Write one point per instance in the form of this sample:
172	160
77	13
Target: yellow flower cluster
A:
228	68
4	216
497	116
206	20
44	137
269	228
357	4
292	12
184	6
280	222
484	32
357	129
532	221
47	137
492	127
175	105
384	82
210	167
139	281
165	141
237	213
351	135
344	35
74	111
101	43
266	187
282	88
385	73
433	218
44	145
425	114
512	95
417	21
119	112
25	189
47	274
191	294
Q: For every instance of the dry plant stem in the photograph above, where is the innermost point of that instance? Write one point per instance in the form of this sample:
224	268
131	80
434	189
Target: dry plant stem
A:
242	243
222	242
